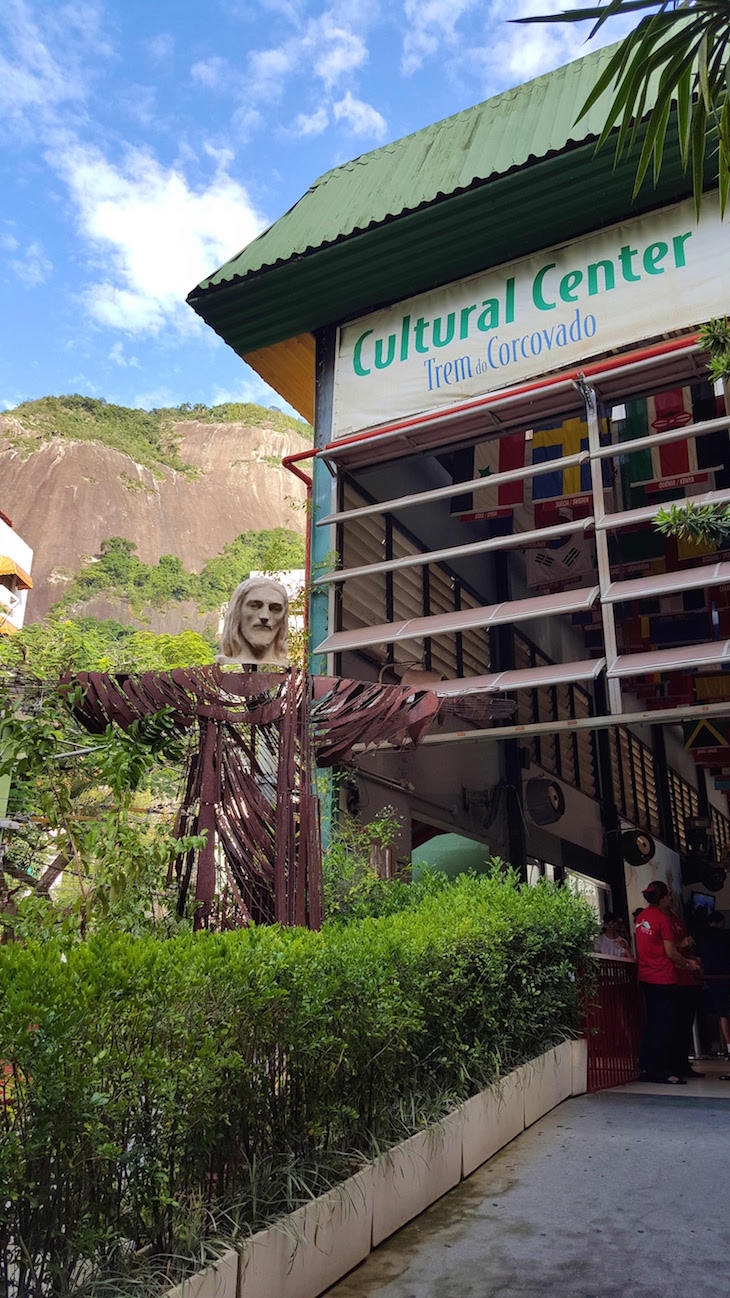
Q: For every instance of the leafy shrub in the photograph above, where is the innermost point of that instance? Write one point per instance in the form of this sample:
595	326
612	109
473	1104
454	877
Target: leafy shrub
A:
46	650
244	412
352	887
149	1079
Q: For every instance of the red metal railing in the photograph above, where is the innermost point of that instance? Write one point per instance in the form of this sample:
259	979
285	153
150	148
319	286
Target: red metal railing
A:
290	462
613	1025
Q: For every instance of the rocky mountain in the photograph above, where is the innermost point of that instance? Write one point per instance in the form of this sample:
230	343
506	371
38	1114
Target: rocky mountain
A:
174	482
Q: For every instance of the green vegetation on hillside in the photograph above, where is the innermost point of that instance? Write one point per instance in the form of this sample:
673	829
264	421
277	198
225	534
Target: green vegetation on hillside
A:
117	571
244	412
141	434
147	436
275	550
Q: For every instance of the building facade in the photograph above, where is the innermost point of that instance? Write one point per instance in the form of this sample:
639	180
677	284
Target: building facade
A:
16	561
499	349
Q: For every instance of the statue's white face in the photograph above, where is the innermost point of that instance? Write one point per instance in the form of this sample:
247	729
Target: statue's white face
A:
262	615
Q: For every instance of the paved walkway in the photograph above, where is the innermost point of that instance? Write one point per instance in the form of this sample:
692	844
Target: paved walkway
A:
609	1196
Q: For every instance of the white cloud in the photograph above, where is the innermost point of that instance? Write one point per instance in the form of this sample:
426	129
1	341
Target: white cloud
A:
140	103
327	46
471	37
222	156
310	124
118	356
9	242
361	118
83	20
341	51
432	24
245	120
251	389
268	70
35	268
211	73
30	77
155	399
32	266
160	48
155	234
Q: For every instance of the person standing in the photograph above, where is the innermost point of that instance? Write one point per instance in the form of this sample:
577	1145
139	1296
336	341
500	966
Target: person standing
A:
611	941
659	958
715	951
687	999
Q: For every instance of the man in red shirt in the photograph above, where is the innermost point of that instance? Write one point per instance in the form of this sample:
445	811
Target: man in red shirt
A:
659	959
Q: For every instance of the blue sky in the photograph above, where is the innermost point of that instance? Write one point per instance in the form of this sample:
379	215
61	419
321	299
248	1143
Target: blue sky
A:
142	144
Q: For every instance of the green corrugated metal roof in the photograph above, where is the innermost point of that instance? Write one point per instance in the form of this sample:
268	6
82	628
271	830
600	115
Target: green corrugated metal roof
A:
492	138
489	185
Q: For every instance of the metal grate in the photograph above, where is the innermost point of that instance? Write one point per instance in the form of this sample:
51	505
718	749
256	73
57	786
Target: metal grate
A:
570	757
634	775
406	593
613	1025
684	801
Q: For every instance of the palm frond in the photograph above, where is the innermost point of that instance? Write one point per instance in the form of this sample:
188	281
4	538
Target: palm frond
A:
677	54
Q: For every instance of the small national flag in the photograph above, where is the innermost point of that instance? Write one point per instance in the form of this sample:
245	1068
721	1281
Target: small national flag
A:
553	443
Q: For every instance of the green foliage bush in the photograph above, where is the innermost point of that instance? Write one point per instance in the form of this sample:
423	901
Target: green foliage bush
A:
274	550
46	650
118	571
150	1078
352	887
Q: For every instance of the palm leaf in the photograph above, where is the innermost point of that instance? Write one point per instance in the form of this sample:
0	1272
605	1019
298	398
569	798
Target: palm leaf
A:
699	144
600	12
660	141
702	72
684	112
724	180
724	158
678	51
611	72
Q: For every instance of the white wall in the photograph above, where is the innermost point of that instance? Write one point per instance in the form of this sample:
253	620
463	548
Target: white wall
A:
14	547
665	867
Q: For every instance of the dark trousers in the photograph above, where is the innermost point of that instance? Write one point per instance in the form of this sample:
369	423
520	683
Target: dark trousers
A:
658	1044
685	1016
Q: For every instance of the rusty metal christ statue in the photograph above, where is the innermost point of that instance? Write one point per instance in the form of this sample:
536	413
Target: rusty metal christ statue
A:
250	783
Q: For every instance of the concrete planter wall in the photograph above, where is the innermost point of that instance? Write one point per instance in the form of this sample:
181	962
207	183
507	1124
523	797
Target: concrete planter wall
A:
412	1175
312	1248
549	1081
492	1119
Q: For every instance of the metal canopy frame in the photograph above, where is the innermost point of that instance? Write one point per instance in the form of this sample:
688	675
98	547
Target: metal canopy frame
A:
612	380
618	377
531	678
519	610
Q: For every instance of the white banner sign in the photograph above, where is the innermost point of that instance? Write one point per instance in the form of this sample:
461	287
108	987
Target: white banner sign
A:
555	309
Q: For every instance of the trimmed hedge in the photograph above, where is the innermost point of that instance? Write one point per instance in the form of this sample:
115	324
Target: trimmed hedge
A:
146	1074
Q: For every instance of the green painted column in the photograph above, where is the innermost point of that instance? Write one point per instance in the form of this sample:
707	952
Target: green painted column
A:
322	505
319	596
